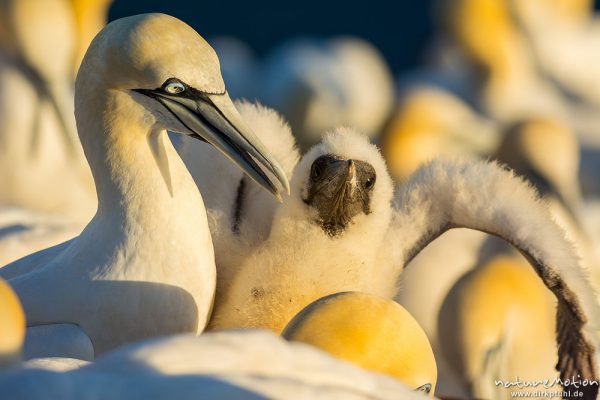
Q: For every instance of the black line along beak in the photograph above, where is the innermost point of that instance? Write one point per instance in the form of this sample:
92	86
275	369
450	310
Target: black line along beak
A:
214	119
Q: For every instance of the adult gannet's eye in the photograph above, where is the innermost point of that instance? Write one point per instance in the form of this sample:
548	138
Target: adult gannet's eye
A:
426	388
174	87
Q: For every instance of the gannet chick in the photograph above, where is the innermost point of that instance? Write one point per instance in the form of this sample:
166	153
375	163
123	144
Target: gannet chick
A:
12	326
497	323
144	266
182	366
429	123
319	85
341	231
40	149
372	332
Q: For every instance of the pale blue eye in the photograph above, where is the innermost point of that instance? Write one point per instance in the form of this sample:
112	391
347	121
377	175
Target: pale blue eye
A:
175	88
426	388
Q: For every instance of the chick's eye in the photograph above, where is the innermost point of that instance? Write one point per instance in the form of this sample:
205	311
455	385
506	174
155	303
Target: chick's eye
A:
315	172
370	182
174	87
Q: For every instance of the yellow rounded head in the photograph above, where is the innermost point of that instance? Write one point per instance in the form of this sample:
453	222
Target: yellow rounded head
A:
372	332
90	17
483	28
546	146
421	129
12	325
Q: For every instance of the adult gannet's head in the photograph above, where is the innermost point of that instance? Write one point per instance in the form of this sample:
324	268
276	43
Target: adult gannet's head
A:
485	31
172	79
372	332
341	180
430	123
12	326
546	152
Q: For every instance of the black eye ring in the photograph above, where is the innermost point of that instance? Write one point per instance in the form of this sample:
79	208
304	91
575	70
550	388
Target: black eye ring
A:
370	183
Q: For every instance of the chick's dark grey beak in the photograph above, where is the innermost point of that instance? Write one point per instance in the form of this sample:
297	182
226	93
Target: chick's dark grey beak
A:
339	189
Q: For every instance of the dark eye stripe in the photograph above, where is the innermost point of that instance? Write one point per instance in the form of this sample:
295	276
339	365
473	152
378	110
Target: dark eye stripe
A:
189	91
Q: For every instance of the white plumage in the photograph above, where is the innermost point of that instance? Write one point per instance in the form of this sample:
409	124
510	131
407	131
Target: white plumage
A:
215	365
267	284
144	265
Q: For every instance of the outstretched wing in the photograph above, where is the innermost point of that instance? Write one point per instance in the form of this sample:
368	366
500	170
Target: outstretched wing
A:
484	196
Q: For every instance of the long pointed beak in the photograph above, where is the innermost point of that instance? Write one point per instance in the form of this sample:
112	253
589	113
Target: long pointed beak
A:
214	119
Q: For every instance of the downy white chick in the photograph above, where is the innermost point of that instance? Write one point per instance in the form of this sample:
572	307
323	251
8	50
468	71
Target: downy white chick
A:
341	231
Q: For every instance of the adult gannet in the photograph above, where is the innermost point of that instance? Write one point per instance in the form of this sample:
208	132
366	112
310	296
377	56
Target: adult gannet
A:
429	123
370	331
497	323
341	231
40	152
251	365
563	35
318	85
509	86
144	265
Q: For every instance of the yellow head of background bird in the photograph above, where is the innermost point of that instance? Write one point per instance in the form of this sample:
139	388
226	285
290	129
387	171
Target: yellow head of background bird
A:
372	332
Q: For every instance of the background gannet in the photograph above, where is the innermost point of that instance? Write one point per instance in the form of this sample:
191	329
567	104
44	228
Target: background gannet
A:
318	85
12	336
370	331
90	18
40	150
144	265
183	366
340	231
509	87
429	123
546	153
12	326
497	323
